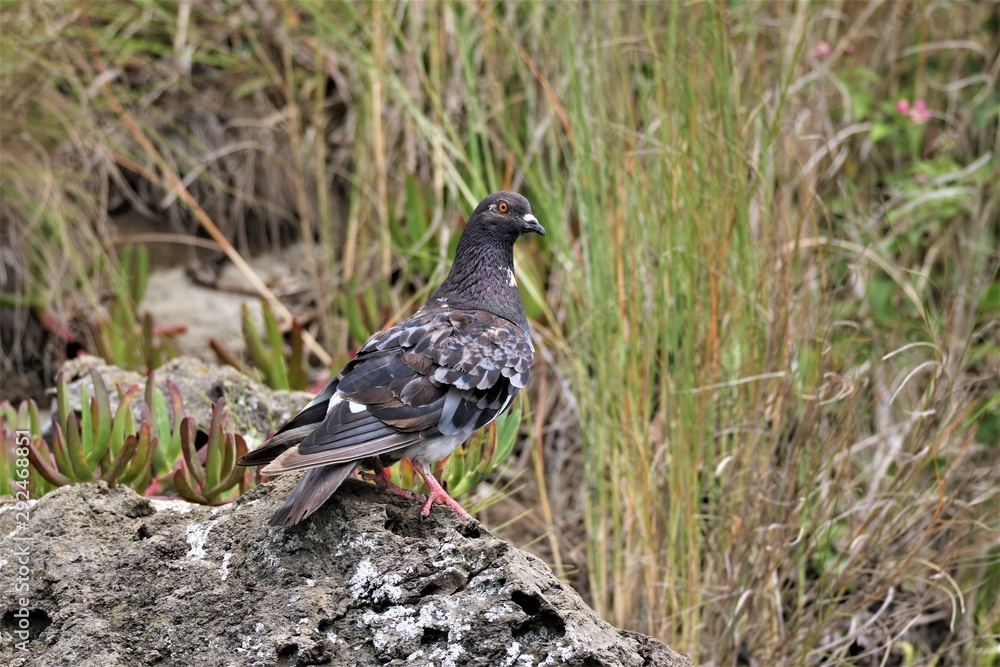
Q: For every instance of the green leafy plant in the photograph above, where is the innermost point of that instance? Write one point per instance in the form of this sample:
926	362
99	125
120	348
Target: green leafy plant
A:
157	456
120	336
98	444
411	234
166	420
24	417
279	369
212	478
359	304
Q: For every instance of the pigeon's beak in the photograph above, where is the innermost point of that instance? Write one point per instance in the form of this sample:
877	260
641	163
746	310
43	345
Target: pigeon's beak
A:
531	224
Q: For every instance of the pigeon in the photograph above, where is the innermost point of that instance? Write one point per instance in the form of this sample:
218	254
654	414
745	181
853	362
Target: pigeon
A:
419	389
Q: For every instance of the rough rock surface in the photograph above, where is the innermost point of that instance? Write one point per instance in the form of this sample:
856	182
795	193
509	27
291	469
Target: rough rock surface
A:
117	579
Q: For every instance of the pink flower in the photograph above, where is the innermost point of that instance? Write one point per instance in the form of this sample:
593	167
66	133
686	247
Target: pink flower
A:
822	50
918	113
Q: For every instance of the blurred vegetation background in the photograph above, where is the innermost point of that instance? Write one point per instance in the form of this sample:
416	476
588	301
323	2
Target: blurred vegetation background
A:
764	420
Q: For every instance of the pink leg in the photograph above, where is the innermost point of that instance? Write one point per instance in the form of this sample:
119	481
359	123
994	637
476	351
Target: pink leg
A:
438	494
383	480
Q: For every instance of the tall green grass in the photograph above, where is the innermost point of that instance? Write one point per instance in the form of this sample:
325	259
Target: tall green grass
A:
765	419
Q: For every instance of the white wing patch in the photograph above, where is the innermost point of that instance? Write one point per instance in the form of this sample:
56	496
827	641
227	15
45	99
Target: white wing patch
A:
506	404
338	398
510	278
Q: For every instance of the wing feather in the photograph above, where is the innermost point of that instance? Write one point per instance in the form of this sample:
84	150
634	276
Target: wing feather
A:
440	372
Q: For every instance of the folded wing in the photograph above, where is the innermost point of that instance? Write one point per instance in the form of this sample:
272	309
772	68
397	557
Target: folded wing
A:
441	372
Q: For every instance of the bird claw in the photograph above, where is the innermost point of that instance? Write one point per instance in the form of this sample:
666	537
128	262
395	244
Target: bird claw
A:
392	488
438	495
384	482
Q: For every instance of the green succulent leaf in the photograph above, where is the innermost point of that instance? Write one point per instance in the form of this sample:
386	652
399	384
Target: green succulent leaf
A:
279	374
74	451
140	462
123	423
255	345
185	486
120	462
506	437
101	418
41	460
215	448
194	467
60	455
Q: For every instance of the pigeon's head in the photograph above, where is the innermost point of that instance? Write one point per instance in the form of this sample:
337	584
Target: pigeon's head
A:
482	277
508	212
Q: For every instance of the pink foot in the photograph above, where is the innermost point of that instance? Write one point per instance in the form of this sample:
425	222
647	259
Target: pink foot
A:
438	494
383	480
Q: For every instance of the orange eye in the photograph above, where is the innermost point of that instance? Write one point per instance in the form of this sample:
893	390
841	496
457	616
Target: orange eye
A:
502	207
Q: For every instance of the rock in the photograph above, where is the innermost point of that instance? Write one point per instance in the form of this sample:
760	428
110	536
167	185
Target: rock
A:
207	313
117	579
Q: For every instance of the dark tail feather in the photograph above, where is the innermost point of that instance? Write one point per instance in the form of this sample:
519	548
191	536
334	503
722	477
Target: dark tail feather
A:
314	490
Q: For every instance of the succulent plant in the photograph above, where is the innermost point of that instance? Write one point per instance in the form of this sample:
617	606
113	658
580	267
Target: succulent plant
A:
98	444
157	456
279	369
166	419
120	335
212	478
15	473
